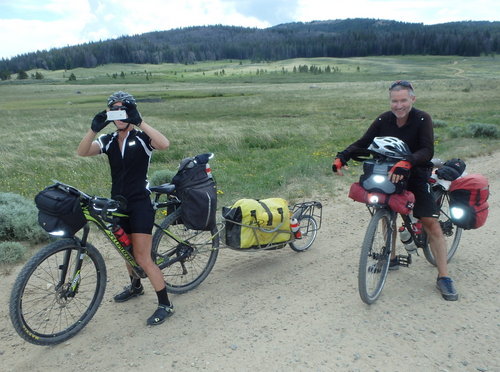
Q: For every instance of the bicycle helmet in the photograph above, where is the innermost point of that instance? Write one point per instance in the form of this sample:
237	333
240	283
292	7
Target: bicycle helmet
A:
121	96
391	147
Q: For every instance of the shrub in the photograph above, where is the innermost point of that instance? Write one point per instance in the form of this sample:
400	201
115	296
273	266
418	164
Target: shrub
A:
457	132
439	123
482	130
11	252
19	219
162	176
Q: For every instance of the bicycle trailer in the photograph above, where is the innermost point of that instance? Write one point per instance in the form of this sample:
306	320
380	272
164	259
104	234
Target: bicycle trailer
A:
252	223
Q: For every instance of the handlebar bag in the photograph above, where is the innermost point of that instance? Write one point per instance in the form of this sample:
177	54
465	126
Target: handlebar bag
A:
375	167
252	223
198	194
400	203
469	201
59	212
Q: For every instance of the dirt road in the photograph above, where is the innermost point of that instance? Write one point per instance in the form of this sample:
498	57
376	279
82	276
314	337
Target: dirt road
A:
287	311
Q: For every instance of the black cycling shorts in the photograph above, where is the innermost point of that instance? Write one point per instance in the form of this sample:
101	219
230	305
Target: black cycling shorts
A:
140	217
425	205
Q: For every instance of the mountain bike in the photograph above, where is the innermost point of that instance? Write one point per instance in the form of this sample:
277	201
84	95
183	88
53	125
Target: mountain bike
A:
380	237
60	288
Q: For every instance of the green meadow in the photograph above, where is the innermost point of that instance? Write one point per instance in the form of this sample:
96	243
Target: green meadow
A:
274	130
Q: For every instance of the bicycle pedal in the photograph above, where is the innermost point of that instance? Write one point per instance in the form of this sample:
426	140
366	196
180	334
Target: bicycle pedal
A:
404	260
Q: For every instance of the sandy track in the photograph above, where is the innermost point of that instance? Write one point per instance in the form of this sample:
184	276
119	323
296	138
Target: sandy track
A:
282	311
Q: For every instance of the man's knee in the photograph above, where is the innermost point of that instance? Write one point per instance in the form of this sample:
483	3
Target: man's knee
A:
432	226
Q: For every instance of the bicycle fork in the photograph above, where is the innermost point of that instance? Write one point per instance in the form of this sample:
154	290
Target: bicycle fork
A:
69	283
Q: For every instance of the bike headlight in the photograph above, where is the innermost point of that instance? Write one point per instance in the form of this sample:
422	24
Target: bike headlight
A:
378	178
373	199
457	213
57	233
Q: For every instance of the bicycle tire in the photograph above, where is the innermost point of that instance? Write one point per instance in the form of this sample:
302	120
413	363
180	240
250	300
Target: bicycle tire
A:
375	256
187	274
452	233
39	311
309	231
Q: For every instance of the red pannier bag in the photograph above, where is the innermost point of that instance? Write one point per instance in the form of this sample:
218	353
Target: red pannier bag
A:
469	201
400	203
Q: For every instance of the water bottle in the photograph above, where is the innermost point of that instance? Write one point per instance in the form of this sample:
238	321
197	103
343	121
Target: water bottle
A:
416	224
122	237
407	240
208	170
295	226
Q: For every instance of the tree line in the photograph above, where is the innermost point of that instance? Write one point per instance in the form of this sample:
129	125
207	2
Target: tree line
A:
338	38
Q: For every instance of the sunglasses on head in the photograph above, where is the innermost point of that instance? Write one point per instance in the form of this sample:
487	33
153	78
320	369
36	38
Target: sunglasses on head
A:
401	83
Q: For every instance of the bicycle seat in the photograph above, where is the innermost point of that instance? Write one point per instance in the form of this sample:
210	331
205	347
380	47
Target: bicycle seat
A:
166	188
104	203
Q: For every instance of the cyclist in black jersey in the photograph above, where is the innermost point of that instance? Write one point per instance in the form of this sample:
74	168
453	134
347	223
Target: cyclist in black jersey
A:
129	151
415	128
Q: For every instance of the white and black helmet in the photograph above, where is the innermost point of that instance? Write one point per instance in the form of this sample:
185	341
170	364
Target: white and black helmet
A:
121	96
391	147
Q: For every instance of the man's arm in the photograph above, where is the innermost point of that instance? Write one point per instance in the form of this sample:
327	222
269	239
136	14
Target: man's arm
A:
425	150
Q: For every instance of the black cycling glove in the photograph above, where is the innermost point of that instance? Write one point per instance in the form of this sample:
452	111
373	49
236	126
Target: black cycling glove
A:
99	122
134	117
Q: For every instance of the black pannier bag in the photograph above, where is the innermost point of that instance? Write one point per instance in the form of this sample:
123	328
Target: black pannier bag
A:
59	211
198	194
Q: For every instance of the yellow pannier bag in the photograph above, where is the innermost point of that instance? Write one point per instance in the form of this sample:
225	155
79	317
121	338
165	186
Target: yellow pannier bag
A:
252	223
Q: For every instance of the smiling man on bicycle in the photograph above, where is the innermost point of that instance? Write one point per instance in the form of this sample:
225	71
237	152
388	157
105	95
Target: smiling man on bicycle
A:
415	128
129	153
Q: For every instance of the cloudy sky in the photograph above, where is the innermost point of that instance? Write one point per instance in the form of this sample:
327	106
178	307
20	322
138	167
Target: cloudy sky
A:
31	25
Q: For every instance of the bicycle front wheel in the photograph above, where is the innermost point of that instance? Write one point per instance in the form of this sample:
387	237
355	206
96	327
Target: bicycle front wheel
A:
375	255
185	256
452	233
51	301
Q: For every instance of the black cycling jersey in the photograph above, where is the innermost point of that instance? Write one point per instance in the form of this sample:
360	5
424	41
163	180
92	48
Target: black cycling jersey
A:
417	133
129	166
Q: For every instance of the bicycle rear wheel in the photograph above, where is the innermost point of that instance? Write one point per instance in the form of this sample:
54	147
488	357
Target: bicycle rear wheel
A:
451	232
195	253
375	255
49	302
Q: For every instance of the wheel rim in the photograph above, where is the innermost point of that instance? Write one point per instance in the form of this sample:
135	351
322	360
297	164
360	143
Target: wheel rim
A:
192	268
374	261
45	308
309	230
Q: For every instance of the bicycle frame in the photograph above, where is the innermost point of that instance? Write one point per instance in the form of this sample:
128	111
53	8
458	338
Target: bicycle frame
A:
105	226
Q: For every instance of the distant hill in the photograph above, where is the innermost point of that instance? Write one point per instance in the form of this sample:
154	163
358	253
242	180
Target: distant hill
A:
336	38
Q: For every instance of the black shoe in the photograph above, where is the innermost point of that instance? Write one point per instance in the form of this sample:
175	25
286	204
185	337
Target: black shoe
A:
447	289
128	293
160	315
394	264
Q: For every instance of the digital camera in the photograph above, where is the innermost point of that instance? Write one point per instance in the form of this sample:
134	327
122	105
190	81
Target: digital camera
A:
116	115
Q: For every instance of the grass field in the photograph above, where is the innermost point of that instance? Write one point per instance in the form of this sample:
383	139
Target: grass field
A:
274	132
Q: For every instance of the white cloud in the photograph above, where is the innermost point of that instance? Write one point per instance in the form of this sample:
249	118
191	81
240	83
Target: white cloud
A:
418	11
57	23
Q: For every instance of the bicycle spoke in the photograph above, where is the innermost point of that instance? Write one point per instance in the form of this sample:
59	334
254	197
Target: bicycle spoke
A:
45	311
185	256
